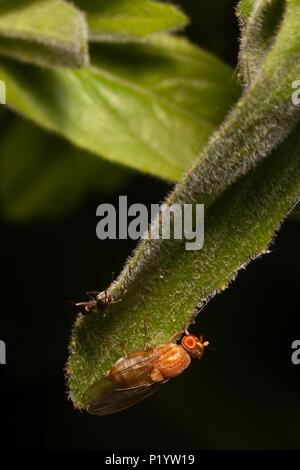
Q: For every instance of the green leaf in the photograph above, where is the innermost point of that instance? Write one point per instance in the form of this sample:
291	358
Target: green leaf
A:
248	178
259	22
123	20
45	32
239	225
148	106
245	8
42	177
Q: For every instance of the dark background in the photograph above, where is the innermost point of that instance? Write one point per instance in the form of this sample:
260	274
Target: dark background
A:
244	394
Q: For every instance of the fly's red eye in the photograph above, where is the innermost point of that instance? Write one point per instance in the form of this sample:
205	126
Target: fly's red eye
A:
109	298
189	342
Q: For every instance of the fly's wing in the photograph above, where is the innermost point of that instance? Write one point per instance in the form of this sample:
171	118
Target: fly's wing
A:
120	399
115	392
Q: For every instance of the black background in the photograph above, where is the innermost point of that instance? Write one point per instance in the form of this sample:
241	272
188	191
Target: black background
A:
244	394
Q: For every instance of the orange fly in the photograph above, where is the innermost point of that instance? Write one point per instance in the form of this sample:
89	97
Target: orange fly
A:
138	375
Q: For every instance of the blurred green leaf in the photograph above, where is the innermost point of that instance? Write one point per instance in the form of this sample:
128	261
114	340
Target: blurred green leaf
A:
123	20
43	176
45	32
248	178
149	106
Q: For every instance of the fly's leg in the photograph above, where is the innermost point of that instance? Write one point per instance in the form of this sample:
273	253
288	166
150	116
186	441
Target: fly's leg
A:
194	314
174	337
179	333
122	345
148	339
187	325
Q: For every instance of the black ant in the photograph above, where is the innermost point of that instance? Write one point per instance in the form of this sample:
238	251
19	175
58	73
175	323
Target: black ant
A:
99	302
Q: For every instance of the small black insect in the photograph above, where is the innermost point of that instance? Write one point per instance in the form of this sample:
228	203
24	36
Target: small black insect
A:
99	302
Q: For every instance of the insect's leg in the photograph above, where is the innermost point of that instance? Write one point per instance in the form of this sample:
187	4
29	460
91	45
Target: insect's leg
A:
122	345
92	293
140	353
98	294
194	314
172	339
106	303
119	300
148	339
112	278
81	304
82	307
115	301
186	327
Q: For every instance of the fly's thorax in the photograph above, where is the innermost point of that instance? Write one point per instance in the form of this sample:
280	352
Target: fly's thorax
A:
171	361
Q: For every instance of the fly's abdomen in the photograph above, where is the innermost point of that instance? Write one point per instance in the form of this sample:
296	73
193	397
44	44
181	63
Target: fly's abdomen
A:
128	373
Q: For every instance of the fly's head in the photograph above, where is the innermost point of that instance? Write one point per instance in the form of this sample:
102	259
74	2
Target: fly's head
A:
194	346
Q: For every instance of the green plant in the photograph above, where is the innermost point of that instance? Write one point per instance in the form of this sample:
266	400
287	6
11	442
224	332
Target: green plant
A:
152	101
